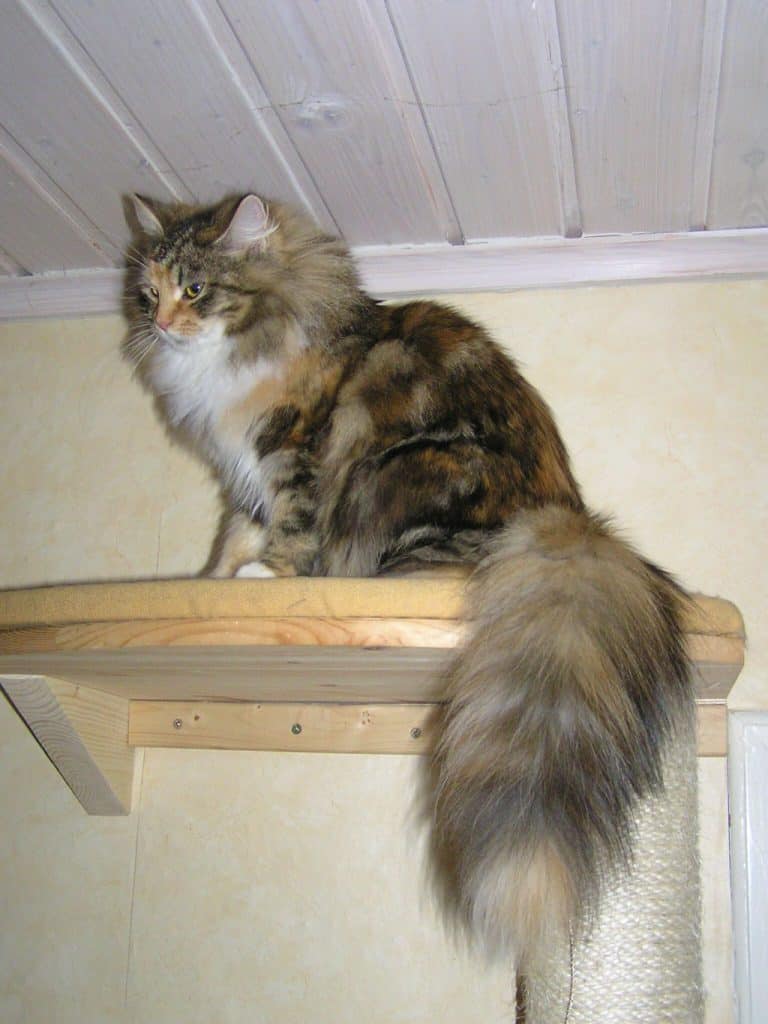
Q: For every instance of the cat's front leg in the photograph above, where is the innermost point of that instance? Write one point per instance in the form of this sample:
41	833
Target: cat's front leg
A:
238	549
291	544
238	546
284	542
291	538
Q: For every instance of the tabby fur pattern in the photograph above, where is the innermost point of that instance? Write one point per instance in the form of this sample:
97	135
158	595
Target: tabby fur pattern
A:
351	438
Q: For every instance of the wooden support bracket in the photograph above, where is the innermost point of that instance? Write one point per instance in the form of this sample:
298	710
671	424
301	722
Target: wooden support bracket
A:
326	728
84	733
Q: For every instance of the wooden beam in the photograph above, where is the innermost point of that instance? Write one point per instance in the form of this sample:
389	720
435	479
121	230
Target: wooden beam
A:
253	673
389	675
326	728
84	733
264	631
712	729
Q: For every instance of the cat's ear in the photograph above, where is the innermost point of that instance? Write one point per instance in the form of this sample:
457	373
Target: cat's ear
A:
249	226
142	218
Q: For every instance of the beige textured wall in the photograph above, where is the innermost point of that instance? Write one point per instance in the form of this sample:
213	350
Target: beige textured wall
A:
287	888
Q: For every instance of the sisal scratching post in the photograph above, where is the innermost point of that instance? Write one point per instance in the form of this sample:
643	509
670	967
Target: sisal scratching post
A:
641	961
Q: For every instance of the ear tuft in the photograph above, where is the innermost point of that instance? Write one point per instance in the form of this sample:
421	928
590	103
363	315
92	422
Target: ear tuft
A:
145	217
249	226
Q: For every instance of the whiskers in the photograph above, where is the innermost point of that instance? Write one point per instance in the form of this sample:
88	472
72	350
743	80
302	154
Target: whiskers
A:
140	343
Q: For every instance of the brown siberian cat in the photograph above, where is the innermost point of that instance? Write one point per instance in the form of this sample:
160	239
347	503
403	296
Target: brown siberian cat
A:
352	437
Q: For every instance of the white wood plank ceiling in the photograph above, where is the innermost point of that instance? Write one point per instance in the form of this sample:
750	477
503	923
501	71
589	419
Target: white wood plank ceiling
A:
394	122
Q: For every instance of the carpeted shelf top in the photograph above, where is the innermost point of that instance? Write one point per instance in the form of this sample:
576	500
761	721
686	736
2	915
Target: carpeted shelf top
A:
409	597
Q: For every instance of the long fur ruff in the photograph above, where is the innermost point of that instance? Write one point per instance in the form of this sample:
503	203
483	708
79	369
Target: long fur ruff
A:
560	703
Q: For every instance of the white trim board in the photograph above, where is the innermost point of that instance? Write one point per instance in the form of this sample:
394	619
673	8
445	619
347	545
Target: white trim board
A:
499	265
748	775
74	293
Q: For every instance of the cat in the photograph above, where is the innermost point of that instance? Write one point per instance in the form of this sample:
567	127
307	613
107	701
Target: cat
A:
352	438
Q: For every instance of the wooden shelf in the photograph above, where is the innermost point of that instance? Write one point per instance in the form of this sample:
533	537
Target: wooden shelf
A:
329	665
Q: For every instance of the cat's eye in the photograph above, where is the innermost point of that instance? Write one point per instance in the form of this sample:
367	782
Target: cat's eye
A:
154	294
193	290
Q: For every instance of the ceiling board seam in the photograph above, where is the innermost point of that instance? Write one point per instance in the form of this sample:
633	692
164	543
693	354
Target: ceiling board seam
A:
561	128
55	29
11	266
535	35
40	182
226	37
712	50
437	181
660	171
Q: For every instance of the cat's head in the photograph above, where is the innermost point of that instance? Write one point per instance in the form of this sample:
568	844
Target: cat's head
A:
189	266
236	274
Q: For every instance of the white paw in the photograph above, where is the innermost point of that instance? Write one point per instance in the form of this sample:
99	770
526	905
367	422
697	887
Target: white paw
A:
254	571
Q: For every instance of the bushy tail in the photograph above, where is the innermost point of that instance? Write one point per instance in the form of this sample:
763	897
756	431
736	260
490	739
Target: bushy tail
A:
560	703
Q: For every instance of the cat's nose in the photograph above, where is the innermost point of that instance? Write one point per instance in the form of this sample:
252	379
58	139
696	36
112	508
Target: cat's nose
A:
162	323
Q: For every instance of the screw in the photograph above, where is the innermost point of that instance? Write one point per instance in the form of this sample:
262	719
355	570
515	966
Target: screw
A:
415	732
177	723
295	728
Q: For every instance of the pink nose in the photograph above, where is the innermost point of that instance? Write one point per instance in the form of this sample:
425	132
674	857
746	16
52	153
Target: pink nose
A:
162	323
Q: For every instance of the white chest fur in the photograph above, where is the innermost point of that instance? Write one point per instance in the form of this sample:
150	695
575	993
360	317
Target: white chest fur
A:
216	403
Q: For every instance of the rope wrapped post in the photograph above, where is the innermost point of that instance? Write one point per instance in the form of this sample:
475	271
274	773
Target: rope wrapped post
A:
640	962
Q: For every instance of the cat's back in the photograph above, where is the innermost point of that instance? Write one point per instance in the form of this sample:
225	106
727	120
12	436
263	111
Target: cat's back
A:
436	333
424	345
431	370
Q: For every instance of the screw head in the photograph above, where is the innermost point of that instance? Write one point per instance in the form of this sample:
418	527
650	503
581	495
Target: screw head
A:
295	728
177	723
415	732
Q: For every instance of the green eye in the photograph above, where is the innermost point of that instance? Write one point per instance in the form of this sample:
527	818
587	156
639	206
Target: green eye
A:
193	290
